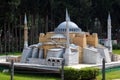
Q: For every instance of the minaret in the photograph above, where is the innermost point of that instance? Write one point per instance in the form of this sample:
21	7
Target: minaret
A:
25	32
109	33
67	28
68	50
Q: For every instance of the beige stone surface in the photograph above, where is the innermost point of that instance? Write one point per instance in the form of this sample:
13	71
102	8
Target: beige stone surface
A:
76	38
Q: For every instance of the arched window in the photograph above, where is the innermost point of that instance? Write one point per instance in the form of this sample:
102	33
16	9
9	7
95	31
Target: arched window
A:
63	30
74	29
59	30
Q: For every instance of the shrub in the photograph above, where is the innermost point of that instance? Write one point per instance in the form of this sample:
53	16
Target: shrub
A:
88	73
70	73
80	74
116	46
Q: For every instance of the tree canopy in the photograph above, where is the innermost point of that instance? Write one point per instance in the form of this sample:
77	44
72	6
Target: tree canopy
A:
50	13
45	15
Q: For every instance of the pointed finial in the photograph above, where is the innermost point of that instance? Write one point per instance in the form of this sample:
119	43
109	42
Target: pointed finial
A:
67	17
25	19
109	20
109	17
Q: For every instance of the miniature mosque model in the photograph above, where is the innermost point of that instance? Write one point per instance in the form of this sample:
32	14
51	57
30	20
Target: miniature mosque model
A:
67	42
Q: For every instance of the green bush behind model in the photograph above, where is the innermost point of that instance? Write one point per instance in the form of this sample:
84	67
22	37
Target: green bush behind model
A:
88	73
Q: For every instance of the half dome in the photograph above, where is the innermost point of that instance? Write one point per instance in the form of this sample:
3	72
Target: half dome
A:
58	36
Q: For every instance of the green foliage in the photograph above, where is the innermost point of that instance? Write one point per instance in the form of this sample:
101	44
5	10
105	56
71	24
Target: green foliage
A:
88	73
80	74
11	53
71	73
41	13
116	46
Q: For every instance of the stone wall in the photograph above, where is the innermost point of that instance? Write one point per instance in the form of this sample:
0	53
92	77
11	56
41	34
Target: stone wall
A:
80	40
80	55
46	47
92	39
52	61
91	56
115	57
105	54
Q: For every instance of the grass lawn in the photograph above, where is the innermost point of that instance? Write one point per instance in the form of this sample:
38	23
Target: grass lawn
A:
6	76
110	75
11	53
116	52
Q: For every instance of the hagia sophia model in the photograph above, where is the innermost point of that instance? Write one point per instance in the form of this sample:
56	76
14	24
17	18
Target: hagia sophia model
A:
68	42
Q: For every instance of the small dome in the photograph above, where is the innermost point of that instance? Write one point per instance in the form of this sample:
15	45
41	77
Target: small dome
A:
72	27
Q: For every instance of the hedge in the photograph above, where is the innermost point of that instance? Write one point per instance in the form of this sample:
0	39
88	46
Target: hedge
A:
88	73
116	46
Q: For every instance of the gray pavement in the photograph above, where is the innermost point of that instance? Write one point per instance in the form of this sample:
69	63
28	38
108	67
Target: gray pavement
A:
2	58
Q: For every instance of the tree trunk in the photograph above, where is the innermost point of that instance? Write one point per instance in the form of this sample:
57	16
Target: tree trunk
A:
16	38
20	40
46	29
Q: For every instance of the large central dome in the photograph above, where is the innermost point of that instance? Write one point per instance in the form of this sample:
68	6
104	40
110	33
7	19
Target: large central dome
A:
72	27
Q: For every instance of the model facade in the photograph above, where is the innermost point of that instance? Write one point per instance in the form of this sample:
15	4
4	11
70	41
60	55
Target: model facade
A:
67	42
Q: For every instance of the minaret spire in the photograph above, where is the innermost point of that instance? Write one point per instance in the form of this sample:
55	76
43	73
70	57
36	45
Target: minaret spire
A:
25	32
25	19
67	54
109	33
67	28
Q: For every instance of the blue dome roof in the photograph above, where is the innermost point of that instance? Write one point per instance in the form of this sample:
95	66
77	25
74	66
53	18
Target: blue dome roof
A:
72	27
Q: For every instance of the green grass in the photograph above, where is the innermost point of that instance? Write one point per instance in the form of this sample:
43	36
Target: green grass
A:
6	76
110	75
116	52
11	53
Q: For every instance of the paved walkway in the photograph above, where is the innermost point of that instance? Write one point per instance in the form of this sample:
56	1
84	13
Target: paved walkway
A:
82	66
107	65
2	58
